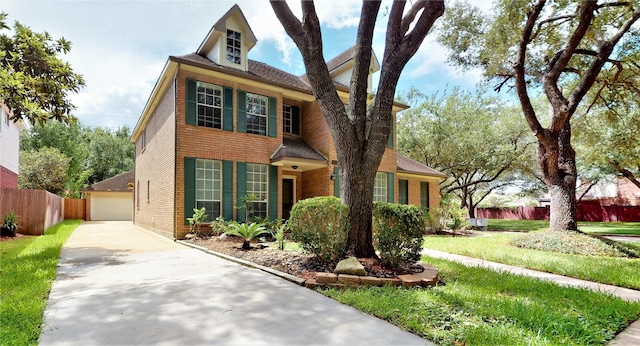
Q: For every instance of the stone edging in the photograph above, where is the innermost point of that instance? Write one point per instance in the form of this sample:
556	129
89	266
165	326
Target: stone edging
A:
428	278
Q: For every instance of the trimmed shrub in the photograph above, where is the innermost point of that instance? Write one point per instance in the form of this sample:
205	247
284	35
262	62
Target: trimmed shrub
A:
576	243
397	233
320	225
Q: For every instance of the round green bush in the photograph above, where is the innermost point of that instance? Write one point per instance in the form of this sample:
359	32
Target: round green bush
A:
320	225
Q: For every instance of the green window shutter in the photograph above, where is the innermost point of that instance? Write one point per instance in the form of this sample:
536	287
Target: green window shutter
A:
190	111
273	192
392	132
242	111
227	190
189	187
403	191
336	182
272	123
227	112
241	190
391	183
295	120
424	194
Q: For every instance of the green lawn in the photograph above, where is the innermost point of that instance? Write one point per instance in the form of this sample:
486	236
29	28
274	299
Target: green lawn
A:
495	247
27	269
480	307
587	227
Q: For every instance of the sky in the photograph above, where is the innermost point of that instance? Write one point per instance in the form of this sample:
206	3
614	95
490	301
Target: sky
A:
120	47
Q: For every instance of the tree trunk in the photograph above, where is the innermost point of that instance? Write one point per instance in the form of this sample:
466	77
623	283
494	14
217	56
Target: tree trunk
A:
561	180
357	193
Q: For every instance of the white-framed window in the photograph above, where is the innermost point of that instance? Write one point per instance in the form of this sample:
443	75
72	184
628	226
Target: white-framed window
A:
144	138
5	117
209	101
380	187
209	186
234	45
287	115
257	177
257	114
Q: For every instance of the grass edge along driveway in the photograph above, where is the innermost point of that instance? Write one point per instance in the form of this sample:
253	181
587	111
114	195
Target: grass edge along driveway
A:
478	306
620	228
27	270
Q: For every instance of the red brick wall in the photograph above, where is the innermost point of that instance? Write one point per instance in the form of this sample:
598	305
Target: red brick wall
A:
216	144
155	165
8	179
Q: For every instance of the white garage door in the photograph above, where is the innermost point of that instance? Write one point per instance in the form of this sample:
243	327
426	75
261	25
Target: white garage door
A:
111	206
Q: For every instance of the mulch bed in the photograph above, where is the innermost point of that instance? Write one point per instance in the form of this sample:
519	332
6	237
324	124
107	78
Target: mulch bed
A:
291	262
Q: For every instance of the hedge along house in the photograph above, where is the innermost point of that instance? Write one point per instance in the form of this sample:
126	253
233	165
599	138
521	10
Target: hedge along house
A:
219	126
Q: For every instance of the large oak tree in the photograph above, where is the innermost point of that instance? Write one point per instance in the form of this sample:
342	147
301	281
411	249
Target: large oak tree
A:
360	134
557	48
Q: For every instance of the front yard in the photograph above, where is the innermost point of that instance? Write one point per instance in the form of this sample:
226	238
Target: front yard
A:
587	227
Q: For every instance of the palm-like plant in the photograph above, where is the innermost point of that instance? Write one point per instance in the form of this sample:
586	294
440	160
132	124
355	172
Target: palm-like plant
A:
246	231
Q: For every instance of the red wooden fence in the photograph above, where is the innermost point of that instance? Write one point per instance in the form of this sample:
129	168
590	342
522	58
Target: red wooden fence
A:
587	211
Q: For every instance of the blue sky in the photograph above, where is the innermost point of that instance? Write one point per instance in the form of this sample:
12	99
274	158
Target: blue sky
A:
120	47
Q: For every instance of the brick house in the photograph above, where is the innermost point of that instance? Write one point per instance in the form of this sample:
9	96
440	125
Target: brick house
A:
219	126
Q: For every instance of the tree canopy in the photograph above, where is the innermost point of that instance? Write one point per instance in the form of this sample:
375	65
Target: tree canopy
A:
44	169
94	154
557	48
475	138
34	81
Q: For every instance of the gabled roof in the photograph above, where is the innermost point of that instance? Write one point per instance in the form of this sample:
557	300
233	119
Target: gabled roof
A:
407	165
119	183
295	147
220	27
257	70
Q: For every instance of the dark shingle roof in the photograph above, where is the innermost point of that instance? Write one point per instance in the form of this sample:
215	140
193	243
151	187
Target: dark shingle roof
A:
118	183
296	147
257	71
406	164
341	58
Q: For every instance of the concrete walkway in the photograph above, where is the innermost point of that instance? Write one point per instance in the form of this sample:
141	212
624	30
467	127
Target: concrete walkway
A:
119	284
629	337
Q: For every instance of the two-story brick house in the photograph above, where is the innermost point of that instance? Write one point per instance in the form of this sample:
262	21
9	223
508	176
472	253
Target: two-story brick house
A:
219	126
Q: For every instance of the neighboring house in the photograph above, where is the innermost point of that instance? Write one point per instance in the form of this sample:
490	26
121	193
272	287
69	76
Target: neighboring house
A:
111	199
219	126
621	192
9	149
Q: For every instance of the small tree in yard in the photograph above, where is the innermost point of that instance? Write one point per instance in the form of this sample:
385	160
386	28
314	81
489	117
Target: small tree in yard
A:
44	169
360	134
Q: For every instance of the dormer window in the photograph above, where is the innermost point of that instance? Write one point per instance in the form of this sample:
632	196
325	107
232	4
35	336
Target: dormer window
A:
234	44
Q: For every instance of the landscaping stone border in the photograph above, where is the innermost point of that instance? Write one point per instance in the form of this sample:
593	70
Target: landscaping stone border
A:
428	278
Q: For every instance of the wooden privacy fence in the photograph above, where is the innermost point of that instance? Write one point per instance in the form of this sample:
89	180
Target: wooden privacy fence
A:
75	208
586	211
37	210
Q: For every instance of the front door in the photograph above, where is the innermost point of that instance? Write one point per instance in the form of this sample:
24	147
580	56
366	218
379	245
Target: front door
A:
287	197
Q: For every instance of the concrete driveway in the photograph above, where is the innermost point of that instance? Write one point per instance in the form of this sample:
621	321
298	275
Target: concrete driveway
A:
119	284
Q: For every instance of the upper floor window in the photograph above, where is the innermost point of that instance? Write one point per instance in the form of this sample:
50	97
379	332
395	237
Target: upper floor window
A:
257	114
5	117
286	119
380	187
234	44
209	101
